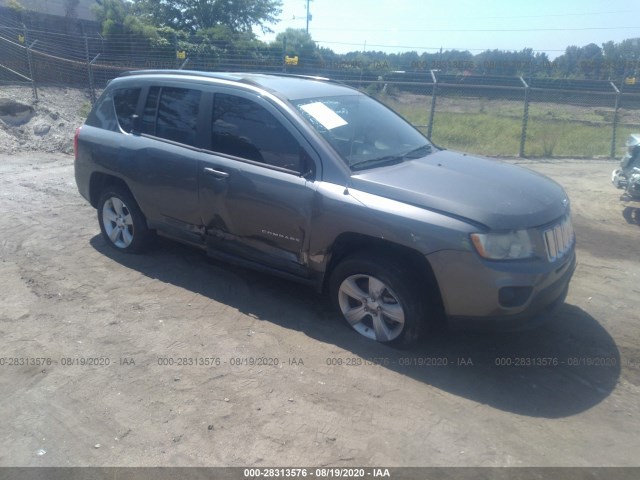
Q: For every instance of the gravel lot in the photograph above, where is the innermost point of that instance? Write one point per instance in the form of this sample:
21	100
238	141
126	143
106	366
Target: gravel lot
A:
272	376
46	125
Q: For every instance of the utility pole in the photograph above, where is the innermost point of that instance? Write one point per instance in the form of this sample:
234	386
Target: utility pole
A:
308	15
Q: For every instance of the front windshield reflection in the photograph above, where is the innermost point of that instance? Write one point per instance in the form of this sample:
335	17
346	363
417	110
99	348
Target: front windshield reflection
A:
362	131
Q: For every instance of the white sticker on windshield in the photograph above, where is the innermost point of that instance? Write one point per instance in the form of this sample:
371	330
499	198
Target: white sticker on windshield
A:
323	114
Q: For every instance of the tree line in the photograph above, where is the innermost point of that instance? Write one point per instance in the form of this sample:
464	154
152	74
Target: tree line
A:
221	34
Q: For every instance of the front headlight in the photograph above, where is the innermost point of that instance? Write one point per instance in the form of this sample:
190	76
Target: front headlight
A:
503	246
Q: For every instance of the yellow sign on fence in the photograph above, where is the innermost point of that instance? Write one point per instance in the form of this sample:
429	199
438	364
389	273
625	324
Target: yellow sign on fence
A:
630	80
181	54
291	60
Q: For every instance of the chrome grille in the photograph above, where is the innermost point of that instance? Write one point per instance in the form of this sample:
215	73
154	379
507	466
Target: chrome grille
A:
559	239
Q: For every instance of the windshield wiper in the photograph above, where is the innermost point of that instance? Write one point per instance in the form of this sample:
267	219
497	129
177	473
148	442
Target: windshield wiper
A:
419	152
388	160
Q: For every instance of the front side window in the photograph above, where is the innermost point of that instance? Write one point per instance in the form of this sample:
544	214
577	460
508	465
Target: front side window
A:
242	128
177	117
362	131
125	101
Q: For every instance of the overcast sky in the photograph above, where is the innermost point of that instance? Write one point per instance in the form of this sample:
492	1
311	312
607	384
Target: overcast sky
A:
427	25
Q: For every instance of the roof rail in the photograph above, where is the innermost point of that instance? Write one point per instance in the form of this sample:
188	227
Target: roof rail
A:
220	74
239	77
169	71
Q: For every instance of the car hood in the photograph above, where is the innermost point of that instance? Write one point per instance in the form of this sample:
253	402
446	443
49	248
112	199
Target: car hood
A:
497	195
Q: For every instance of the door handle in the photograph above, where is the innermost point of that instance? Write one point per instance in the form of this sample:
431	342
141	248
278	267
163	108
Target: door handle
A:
216	173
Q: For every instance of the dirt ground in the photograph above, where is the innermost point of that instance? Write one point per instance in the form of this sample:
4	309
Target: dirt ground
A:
45	125
172	359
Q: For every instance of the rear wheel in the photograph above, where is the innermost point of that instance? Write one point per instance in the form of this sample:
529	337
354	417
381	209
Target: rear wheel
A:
122	223
380	298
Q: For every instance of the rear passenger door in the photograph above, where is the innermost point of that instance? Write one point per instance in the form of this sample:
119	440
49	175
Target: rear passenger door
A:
166	158
256	186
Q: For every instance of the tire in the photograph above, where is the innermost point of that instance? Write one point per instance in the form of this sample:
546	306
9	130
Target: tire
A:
122	224
380	298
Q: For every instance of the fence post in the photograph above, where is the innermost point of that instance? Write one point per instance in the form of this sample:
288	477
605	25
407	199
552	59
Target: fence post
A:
615	121
284	54
175	50
432	113
92	91
30	63
91	82
525	118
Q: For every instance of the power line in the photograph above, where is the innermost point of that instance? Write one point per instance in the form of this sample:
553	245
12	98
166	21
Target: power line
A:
413	47
457	17
482	30
582	14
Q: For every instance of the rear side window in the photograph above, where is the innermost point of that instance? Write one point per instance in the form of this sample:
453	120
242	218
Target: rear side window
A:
103	114
125	101
177	116
244	129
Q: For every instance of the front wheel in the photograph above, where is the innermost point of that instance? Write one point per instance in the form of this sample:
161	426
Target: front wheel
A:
379	298
122	223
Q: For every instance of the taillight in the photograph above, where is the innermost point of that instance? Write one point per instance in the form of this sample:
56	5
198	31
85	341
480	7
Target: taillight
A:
75	143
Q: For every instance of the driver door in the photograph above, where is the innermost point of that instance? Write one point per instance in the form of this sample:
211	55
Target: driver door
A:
255	202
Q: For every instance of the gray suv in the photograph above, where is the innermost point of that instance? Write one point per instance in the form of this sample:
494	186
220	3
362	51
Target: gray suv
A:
319	183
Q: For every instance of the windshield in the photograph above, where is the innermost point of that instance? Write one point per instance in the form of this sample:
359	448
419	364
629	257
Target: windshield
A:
364	132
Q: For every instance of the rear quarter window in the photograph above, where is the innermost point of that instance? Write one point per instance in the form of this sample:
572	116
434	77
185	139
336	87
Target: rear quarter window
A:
125	101
103	115
115	109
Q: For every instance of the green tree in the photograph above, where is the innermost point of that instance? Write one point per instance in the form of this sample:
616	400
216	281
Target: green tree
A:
566	65
299	43
197	15
129	38
590	62
16	6
507	63
581	62
621	59
161	13
117	18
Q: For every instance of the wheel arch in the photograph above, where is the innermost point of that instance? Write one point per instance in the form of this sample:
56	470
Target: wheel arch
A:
99	181
349	243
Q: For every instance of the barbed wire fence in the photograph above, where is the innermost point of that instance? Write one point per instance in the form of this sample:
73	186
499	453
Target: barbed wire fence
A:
491	115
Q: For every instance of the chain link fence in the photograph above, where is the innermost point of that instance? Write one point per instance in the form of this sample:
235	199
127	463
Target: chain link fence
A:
490	115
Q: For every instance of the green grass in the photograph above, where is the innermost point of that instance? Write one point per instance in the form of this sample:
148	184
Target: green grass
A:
481	133
84	110
494	127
